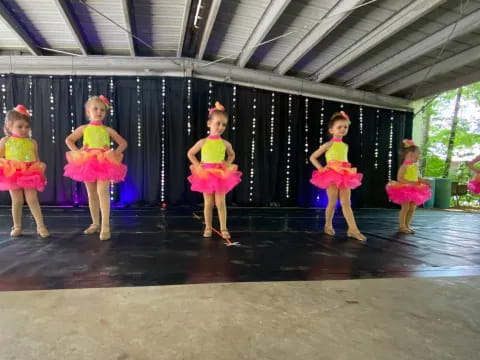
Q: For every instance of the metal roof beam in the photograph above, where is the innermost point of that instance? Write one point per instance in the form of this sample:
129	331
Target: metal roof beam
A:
127	7
212	15
317	33
272	13
67	15
186	13
464	58
394	24
433	89
180	67
15	26
464	26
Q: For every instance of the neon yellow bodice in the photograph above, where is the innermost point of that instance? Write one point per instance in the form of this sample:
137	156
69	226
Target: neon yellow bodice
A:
213	151
96	137
20	149
337	152
411	172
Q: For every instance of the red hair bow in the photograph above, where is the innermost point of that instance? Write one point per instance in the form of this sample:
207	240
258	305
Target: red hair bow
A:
104	100
22	110
217	106
408	142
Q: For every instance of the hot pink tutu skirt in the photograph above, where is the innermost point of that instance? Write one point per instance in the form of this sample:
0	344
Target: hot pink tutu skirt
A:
22	175
95	164
214	178
399	193
339	174
474	185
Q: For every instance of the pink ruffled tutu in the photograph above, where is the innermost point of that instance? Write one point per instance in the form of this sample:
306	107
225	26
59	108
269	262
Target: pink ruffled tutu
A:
399	193
214	178
95	164
22	175
474	185
339	174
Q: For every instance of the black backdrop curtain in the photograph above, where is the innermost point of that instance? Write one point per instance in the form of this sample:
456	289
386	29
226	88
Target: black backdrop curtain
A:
272	133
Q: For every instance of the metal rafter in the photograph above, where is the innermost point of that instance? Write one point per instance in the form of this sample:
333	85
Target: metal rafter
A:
267	20
71	22
394	24
212	15
12	22
128	13
317	33
464	26
464	58
186	13
433	89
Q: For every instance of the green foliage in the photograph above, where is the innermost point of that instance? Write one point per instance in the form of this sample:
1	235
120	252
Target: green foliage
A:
467	138
472	92
434	166
462	174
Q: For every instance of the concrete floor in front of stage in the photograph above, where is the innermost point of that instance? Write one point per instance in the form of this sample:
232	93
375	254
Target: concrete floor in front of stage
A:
412	318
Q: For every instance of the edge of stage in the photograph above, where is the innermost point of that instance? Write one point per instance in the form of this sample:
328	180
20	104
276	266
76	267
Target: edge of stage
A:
155	246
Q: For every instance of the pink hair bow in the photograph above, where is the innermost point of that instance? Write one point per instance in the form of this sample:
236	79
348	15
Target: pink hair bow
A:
217	106
104	100
22	110
408	142
344	114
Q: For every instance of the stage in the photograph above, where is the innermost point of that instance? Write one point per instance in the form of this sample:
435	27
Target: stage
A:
396	297
151	246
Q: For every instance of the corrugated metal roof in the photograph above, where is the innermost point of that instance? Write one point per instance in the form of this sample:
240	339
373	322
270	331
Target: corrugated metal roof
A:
422	62
8	40
418	31
425	88
102	35
299	18
44	22
233	26
354	28
159	23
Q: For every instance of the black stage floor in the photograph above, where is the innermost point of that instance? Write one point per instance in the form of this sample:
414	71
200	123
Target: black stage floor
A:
151	246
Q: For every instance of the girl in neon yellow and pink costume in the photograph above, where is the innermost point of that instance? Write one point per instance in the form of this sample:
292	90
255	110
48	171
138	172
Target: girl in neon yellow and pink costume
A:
213	175
409	190
21	171
95	163
338	177
474	184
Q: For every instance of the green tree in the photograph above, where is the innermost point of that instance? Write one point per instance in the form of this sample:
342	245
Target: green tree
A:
453	131
438	120
472	92
429	111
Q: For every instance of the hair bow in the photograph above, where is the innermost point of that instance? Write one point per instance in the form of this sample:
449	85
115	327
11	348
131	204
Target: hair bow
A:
408	143
104	100
22	110
217	106
344	114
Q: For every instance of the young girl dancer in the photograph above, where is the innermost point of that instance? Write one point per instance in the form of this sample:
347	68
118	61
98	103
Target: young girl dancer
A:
338	177
213	175
21	171
474	184
95	163
409	190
